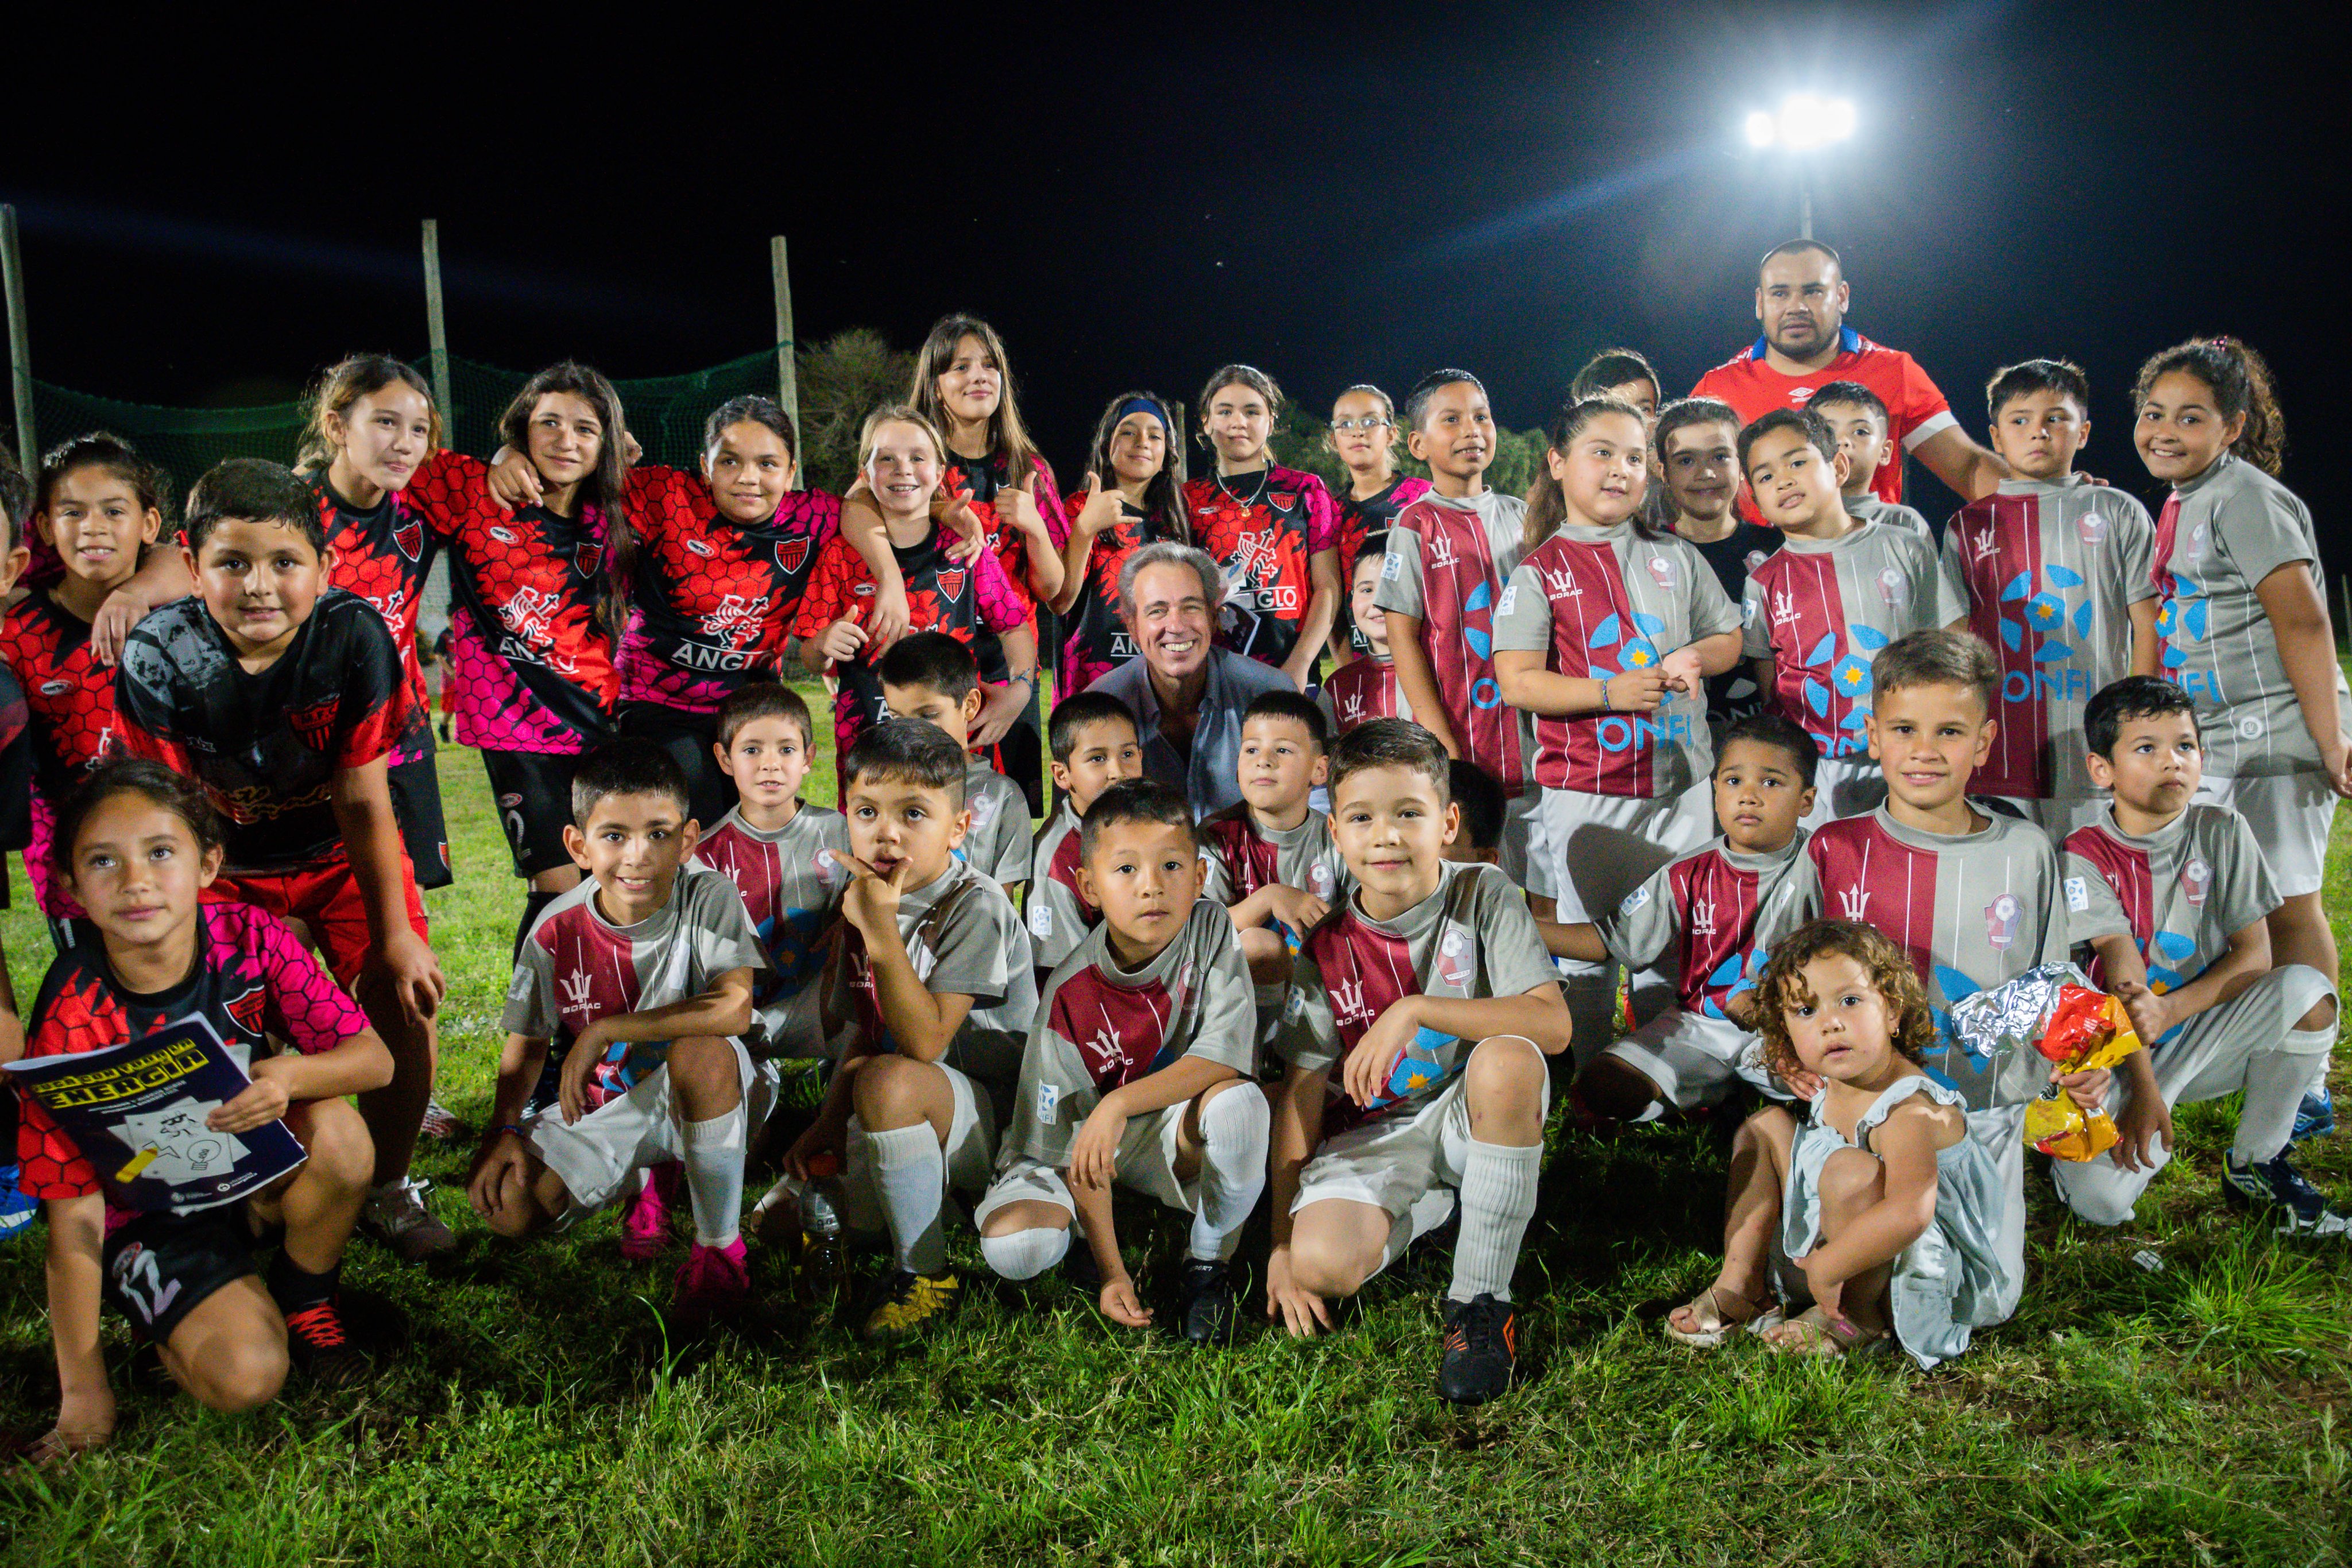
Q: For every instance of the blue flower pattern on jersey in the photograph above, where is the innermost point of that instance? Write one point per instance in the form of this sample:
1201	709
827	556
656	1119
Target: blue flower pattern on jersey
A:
1955	985
1483	692
1740	973
1422	1066
2035	621
795	946
1844	677
2166	955
2183	618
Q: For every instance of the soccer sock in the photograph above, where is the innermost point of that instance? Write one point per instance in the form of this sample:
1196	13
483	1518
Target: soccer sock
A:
1234	1130
2275	1083
1499	1199
293	1287
912	1172
1026	1254
714	1177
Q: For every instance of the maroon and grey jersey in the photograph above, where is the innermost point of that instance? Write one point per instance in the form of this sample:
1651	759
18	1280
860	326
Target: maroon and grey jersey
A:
1362	690
1471	938
1239	857
1102	1027
2219	535
1446	564
1972	911
2049	572
1868	508
997	842
1599	603
1714	914
965	940
1821	609
791	888
2179	894
1059	914
576	967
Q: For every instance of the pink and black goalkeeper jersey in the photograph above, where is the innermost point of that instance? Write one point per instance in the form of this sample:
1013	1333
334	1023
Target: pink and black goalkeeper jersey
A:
982	479
1364	524
1714	914
1096	638
1264	531
2180	893
382	553
1446	564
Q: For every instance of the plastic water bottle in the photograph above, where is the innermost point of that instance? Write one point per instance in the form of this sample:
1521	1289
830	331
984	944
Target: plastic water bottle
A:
824	1260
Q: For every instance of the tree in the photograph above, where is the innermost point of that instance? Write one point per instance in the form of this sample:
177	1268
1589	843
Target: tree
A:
843	380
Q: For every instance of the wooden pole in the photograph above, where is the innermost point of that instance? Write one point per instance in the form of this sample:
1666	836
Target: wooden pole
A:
436	327
788	380
20	363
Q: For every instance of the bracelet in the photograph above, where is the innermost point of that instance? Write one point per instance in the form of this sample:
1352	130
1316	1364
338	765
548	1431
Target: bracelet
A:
514	1127
1604	695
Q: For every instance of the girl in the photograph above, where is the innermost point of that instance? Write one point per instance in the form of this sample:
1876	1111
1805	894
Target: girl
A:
1874	1214
1623	374
2244	624
1363	437
136	844
1135	444
1695	447
1603	634
1272	531
900	458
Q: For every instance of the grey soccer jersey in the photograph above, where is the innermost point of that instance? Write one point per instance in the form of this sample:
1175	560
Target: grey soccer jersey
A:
1102	1027
997	842
1868	508
965	939
792	885
2178	892
2219	535
1715	913
1059	918
1447	561
2051	572
1239	857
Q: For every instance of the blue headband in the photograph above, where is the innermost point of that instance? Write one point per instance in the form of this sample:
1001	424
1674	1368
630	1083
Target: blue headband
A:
1142	406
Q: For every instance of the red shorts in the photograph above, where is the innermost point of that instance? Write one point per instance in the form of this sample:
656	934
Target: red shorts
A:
326	899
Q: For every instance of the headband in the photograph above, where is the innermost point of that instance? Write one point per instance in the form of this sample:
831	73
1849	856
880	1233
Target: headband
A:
1142	406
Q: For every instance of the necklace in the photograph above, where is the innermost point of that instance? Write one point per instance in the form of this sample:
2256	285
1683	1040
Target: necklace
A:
1251	500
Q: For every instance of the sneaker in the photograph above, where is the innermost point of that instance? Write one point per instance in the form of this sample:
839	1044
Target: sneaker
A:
396	1215
714	1283
2274	1184
1482	1340
320	1347
441	1123
2315	1118
907	1300
16	1210
644	1224
1210	1301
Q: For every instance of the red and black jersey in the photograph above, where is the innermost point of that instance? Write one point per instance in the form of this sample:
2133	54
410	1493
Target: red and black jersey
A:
1264	530
1364	524
16	765
1096	638
714	599
981	478
266	746
383	554
69	698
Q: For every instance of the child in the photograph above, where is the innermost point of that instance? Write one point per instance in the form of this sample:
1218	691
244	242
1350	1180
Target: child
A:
138	844
931	677
1696	446
1270	858
1363	438
2056	572
2172	895
1365	688
16	784
1415	1043
643	974
1870	1216
1134	497
1095	746
1624	374
1857	417
1604	635
1835	593
283	698
1271	531
935	965
1718	911
1140	1070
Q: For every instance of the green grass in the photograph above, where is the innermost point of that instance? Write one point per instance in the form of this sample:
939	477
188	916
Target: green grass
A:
537	1415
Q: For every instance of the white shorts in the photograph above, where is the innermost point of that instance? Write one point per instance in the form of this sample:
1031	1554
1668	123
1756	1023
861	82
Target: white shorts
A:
1392	1161
1693	1059
1147	1163
970	1149
1602	847
1523	855
595	1156
1845	786
2291	813
2060	818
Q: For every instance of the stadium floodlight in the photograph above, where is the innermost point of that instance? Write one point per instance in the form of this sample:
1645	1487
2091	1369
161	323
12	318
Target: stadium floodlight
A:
1805	121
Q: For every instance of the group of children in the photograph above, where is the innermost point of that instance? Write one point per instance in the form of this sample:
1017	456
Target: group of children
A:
1775	797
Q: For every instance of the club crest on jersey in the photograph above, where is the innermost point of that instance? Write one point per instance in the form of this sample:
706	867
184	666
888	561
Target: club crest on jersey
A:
828	870
1456	966
1661	572
1854	902
1319	880
250	1008
950	583
1755	559
791	554
1282	500
2196	880
2001	916
587	558
1894	586
1347	1004
410	537
2092	525
315	725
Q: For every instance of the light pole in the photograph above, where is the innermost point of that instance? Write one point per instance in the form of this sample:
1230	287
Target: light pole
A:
1805	121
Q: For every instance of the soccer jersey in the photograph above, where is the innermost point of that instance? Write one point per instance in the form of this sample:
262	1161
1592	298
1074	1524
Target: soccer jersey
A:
1871	507
1240	857
576	967
1102	1027
266	746
964	939
1446	564
1599	603
1364	524
982	479
1264	531
382	553
2218	535
997	842
791	888
70	704
252	982
1915	410
1096	638
15	764
1059	914
1971	911
1821	609
532	665
1471	938
2049	573
713	602
2178	892
1359	690
1734	694
1714	914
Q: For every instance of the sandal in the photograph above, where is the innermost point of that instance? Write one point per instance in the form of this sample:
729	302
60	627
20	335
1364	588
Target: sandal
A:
1814	1332
1715	1323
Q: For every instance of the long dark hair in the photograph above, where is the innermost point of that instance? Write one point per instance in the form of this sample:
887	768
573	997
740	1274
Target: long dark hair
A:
2241	382
1547	504
1006	433
1163	497
606	486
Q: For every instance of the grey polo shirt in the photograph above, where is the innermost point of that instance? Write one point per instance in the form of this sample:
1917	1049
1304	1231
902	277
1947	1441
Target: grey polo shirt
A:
1212	775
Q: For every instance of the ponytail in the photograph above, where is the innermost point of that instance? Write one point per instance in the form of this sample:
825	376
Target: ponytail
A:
2241	384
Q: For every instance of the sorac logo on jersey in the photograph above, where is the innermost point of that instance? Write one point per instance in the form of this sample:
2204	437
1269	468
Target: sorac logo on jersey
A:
1348	1004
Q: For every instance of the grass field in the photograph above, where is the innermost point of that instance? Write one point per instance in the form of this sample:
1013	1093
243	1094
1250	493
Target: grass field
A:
2192	1413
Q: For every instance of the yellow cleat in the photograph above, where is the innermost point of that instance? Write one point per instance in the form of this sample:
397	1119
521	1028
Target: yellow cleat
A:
910	1301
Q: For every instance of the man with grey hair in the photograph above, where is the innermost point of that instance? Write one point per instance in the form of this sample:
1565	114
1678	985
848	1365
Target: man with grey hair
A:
1187	694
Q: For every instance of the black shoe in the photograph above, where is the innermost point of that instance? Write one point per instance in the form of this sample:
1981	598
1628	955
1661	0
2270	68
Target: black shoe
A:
1210	1304
1482	1338
320	1347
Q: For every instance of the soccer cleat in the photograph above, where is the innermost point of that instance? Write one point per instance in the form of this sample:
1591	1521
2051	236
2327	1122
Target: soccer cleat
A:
713	1282
909	1301
396	1215
16	1210
441	1123
2276	1186
320	1348
1482	1340
1210	1301
644	1224
2316	1117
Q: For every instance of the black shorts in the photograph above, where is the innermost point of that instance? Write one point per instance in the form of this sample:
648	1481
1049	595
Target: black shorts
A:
416	807
689	738
532	790
161	1266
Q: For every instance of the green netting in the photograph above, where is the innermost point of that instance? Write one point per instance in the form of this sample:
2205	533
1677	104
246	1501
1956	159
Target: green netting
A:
665	413
185	441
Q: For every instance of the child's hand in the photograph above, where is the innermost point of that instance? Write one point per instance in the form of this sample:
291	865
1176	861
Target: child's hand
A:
1680	669
1097	508
85	1421
1294	907
1827	1293
1004	707
871	901
2150	1014
409	968
844	638
1120	1304
117	614
2144	1119
1637	691
259	1102
1302	1311
2087	1090
1365	1074
500	1167
824	1136
588	1048
888	618
1094	1153
514	481
1805	1086
963	533
1017	506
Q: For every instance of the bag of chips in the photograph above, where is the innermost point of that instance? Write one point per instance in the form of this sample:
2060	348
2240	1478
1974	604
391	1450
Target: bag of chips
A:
2048	1016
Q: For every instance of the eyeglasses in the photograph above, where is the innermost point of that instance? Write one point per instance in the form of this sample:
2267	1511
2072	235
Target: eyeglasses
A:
1367	422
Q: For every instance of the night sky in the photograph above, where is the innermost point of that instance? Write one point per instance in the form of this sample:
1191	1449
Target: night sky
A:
1135	196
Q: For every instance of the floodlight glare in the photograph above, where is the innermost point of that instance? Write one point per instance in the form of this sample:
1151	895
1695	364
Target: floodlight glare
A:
1760	129
1805	121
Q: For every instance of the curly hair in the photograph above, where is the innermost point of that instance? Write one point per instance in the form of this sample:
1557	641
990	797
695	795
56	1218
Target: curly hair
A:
1911	1029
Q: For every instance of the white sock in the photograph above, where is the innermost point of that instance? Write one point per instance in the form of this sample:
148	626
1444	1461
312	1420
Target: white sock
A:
714	1177
1234	1130
912	1172
1026	1254
2275	1083
1499	1199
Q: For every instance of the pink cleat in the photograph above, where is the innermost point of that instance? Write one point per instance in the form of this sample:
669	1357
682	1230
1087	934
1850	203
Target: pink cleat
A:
714	1283
645	1225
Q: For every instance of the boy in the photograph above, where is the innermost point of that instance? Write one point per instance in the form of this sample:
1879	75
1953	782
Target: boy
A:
1271	858
2173	897
1449	553
1095	745
2058	576
1835	592
1139	1070
936	966
1857	417
1414	1041
283	697
934	677
645	973
1365	688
